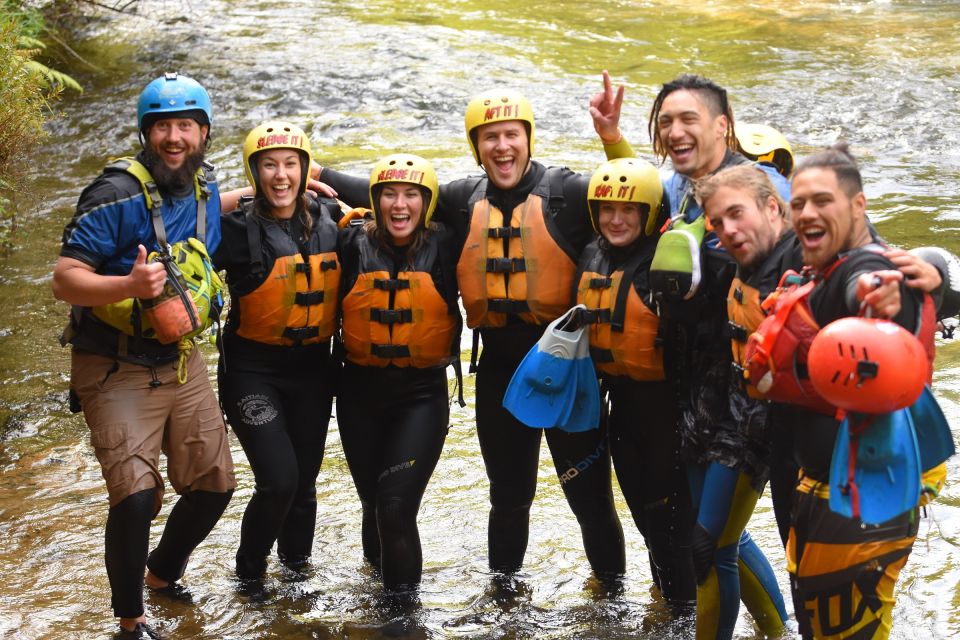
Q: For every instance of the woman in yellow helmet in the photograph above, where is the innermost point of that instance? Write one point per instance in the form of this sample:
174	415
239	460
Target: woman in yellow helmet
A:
627	208
279	252
401	328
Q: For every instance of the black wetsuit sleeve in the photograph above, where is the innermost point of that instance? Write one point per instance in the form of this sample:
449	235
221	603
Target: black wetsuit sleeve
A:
351	189
452	208
865	262
574	219
349	258
947	295
233	253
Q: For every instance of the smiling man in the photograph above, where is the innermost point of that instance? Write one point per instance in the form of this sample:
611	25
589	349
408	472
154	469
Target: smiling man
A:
843	570
139	395
691	123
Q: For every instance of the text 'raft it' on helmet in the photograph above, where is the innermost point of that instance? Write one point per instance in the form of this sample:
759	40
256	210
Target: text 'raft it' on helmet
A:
405	168
498	105
173	95
628	180
276	134
762	143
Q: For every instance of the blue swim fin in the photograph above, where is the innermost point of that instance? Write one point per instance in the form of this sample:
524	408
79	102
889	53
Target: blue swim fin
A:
586	404
933	431
887	472
542	390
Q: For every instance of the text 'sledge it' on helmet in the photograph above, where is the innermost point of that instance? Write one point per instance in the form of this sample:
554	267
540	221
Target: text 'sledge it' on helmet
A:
626	180
762	143
498	105
171	94
409	169
276	134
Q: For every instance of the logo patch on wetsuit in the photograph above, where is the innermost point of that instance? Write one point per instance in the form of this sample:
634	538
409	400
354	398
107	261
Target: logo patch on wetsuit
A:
583	465
397	467
256	410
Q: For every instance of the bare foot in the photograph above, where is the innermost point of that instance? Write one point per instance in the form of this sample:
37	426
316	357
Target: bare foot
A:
153	582
130	624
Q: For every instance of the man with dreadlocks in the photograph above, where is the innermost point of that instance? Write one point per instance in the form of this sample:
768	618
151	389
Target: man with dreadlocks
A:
727	452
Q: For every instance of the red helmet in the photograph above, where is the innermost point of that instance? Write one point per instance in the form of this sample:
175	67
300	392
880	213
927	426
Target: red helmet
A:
867	365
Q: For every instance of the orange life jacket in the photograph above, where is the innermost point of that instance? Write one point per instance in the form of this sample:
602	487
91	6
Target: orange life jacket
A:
403	321
525	269
296	303
744	315
623	333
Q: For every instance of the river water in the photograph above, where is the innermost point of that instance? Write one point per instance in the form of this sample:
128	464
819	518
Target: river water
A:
369	78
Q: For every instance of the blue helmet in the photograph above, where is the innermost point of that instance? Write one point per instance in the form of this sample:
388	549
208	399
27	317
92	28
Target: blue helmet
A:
170	95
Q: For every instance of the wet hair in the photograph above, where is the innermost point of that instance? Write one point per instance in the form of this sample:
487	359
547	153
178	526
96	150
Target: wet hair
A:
712	94
838	159
745	177
261	206
384	240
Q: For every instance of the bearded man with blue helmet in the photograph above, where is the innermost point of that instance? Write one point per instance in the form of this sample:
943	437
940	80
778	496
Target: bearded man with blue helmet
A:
140	394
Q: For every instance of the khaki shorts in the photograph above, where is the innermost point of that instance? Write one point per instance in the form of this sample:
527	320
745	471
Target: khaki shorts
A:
135	412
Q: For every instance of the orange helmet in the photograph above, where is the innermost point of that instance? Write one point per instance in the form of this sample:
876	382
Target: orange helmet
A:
867	365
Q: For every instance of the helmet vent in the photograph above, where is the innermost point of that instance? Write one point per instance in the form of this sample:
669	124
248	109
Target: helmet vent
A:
623	178
190	102
154	105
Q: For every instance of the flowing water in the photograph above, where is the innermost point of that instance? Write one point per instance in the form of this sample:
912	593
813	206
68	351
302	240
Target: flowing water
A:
369	78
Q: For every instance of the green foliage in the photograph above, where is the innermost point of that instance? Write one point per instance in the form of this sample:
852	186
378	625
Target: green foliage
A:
25	95
30	27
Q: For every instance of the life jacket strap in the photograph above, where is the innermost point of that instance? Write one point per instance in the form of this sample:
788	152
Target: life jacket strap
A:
391	316
308	298
299	334
503	232
390	351
734	331
506	265
600	283
390	284
594	316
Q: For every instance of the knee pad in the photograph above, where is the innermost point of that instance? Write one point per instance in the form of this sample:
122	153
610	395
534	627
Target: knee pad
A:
704	546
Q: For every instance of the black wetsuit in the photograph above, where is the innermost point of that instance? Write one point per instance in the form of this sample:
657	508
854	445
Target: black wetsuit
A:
510	449
277	399
645	445
393	422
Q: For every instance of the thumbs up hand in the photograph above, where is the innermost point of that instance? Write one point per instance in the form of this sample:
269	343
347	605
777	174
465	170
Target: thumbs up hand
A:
146	279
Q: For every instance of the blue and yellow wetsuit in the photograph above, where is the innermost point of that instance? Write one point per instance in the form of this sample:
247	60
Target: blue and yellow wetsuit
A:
727	461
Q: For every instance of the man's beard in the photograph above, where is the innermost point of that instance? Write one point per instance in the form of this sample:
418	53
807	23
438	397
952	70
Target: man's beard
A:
172	180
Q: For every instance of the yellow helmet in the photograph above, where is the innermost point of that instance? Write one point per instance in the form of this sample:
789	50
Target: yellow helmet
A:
409	169
498	105
761	143
276	135
627	180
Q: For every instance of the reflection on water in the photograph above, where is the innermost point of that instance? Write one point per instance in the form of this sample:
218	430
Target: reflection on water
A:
369	78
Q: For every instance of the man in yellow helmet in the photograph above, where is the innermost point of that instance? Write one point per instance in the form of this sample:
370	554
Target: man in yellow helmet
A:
133	394
522	227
